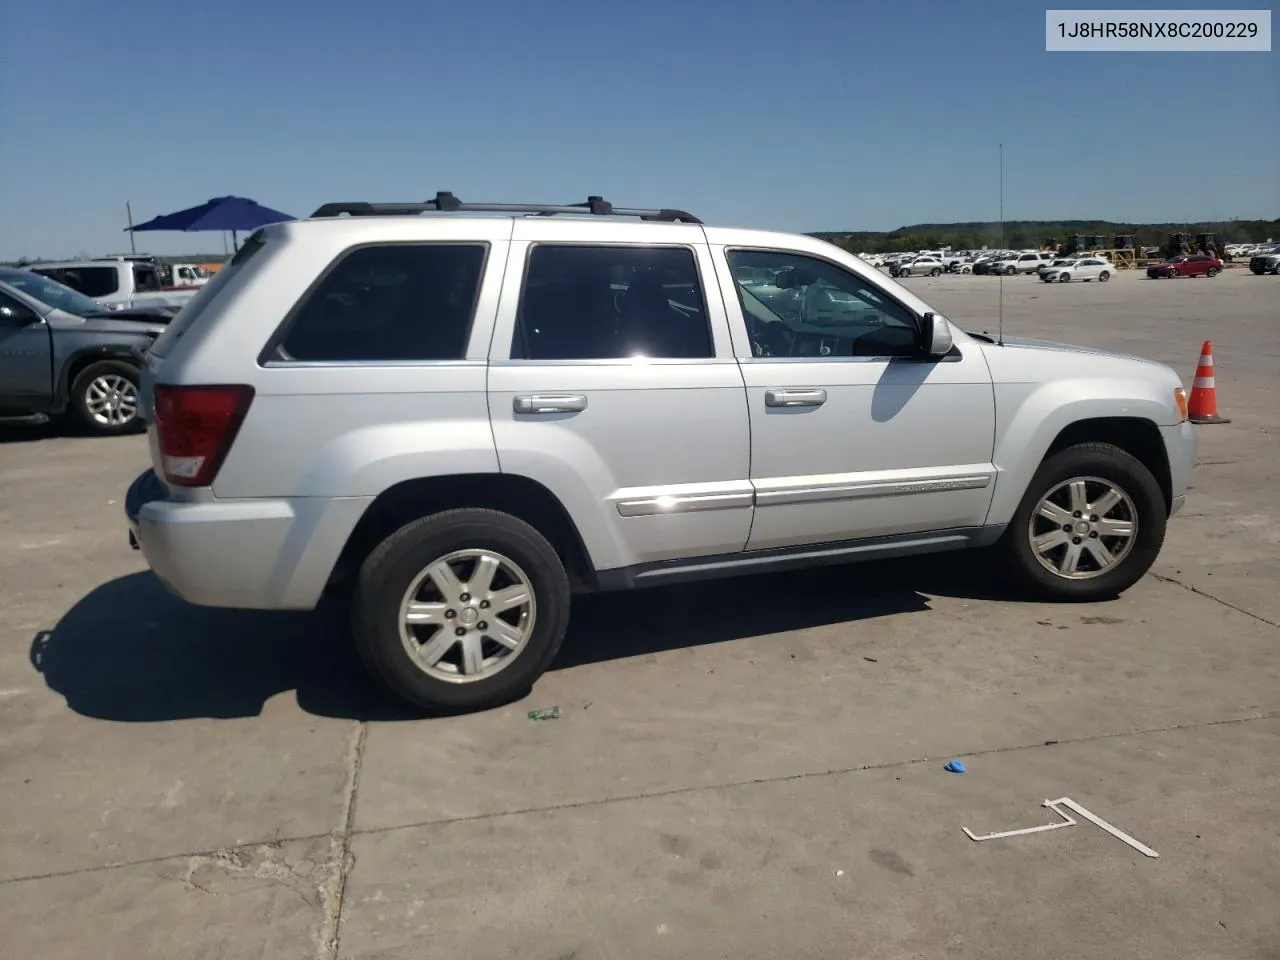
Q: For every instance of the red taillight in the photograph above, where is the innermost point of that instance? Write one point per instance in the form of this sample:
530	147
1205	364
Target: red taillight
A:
195	427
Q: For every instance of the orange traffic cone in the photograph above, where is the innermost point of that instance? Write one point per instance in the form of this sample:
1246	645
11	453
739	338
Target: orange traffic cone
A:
1203	407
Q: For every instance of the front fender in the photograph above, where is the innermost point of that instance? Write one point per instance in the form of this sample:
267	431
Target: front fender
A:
1030	416
71	354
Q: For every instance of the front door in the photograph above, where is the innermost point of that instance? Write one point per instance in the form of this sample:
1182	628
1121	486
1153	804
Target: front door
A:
612	383
26	362
853	433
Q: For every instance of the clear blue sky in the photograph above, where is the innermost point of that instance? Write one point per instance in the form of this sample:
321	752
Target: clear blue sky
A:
799	115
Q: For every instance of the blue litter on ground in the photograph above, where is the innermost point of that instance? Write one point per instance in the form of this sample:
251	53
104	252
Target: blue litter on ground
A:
956	766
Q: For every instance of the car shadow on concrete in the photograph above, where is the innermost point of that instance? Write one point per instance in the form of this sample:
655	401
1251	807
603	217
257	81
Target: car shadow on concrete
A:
26	429
131	652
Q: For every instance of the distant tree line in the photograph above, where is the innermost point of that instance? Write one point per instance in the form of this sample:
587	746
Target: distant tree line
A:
1019	234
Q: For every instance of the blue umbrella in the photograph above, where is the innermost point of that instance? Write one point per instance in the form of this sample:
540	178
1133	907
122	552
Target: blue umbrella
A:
220	213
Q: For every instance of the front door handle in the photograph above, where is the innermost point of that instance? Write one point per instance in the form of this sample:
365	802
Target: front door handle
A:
804	397
550	403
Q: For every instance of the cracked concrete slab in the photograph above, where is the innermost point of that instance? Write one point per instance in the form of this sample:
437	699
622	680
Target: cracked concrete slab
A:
870	864
264	901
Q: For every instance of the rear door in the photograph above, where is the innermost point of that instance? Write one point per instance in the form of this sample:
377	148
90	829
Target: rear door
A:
612	383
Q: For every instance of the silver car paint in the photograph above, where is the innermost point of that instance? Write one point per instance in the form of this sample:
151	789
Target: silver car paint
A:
676	459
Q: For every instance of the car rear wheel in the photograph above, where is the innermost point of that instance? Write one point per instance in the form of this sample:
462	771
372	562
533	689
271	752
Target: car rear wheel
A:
462	610
104	398
934	272
1089	526
1212	272
1103	277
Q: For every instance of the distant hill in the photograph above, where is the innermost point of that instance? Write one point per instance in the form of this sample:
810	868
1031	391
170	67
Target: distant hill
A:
1034	233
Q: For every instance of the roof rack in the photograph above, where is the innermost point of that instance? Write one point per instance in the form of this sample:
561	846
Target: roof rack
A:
447	203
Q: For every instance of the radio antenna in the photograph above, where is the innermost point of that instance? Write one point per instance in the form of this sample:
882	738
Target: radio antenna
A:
1000	331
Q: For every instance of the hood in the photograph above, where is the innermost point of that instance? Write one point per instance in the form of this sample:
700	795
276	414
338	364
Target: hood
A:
145	323
1054	346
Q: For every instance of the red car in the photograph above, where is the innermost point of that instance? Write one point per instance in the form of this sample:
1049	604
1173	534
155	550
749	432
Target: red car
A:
1186	265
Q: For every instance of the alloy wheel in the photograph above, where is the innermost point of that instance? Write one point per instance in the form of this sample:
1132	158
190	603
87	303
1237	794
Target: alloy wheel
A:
467	615
1083	528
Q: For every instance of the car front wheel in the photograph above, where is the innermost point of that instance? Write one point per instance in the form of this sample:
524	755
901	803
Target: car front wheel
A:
462	610
104	398
1089	526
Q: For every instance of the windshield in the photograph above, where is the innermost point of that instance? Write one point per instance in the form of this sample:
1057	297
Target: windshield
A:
51	293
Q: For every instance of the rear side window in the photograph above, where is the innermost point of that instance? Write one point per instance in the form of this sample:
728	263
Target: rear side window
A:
392	302
611	302
91	281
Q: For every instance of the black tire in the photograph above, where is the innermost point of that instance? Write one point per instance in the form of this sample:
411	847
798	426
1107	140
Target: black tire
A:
1064	278
1110	463
89	410
393	566
904	272
934	272
1212	272
1010	271
1103	277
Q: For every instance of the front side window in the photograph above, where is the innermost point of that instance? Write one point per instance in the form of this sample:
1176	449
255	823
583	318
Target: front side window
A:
611	302
390	302
146	278
800	306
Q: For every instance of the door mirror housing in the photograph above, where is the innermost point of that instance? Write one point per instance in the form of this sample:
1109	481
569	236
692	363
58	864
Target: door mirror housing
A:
936	338
16	316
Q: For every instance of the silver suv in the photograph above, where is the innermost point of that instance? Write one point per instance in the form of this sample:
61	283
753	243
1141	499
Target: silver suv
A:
466	412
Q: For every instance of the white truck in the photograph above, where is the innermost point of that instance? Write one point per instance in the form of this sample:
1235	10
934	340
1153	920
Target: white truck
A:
116	282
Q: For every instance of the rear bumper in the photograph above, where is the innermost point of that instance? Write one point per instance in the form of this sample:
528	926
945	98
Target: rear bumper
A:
265	554
1180	447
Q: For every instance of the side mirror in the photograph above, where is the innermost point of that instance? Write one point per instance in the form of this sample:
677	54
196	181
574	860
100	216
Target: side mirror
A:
936	338
16	317
791	278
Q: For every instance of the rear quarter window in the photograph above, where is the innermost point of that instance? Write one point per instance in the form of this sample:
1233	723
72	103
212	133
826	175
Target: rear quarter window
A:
387	302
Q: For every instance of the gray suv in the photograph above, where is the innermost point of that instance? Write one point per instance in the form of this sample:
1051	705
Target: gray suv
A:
464	413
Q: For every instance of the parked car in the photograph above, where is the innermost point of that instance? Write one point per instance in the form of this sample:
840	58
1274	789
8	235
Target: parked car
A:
1017	263
919	267
467	418
116	282
63	353
1186	265
1266	262
1086	269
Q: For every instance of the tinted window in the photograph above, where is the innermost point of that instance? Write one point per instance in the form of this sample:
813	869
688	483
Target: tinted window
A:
812	308
91	281
395	302
611	302
146	278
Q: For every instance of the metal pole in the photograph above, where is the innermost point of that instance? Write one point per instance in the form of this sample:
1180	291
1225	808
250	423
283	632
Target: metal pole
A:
128	211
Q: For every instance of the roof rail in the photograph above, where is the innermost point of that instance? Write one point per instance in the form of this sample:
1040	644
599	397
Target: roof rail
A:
447	203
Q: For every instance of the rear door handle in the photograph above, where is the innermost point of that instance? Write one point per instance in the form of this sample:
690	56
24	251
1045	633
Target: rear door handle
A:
550	403
805	397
